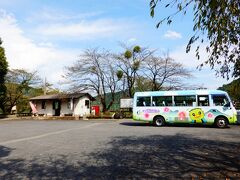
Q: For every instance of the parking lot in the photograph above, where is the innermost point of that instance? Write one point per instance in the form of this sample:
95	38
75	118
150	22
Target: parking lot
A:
116	149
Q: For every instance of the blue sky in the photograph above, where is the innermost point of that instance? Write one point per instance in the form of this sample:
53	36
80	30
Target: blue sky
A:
46	35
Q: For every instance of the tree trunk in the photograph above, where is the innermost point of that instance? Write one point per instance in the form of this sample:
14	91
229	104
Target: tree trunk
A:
104	106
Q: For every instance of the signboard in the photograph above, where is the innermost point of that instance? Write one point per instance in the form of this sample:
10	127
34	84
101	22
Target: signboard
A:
126	103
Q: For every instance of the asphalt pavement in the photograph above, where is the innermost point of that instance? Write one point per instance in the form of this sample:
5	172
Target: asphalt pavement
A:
116	149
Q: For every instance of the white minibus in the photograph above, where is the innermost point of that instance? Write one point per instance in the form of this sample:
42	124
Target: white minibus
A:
210	107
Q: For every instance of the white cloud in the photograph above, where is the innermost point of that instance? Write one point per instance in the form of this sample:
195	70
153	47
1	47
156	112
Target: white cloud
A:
188	59
83	30
44	56
172	35
132	40
65	25
46	44
22	52
54	15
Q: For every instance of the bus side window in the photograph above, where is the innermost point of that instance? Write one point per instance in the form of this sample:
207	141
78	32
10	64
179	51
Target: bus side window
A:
203	100
186	100
157	101
163	103
144	101
153	103
219	100
161	100
184	103
139	101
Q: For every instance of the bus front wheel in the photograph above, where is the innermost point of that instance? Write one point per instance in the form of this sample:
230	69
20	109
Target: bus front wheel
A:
221	122
159	121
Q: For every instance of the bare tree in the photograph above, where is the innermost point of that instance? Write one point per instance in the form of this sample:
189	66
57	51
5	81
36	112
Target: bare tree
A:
94	71
165	73
143	84
23	77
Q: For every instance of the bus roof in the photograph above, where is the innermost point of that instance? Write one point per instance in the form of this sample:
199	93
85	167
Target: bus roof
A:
179	92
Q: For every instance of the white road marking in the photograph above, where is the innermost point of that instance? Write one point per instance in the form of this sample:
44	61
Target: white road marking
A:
45	135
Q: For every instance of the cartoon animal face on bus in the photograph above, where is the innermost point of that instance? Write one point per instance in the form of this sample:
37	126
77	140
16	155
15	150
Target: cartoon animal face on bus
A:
197	115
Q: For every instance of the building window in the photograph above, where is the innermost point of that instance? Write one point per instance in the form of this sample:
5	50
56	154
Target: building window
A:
43	104
56	105
87	103
69	104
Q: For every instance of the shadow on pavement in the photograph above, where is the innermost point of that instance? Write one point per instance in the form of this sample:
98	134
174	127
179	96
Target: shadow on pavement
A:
167	125
168	157
4	151
135	124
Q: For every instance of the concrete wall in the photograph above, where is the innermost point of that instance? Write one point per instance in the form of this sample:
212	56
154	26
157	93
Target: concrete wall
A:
47	111
79	107
65	110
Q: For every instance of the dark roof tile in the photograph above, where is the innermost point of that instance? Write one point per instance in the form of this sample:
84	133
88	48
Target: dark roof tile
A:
61	96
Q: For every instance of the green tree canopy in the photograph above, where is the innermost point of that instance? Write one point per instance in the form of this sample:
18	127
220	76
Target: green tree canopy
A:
232	89
3	72
19	84
217	23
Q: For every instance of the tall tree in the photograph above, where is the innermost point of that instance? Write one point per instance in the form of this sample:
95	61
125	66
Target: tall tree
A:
165	73
143	84
3	72
19	83
233	89
94	71
129	64
217	23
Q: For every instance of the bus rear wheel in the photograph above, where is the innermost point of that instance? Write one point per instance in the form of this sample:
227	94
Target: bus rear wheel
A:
159	121
221	122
